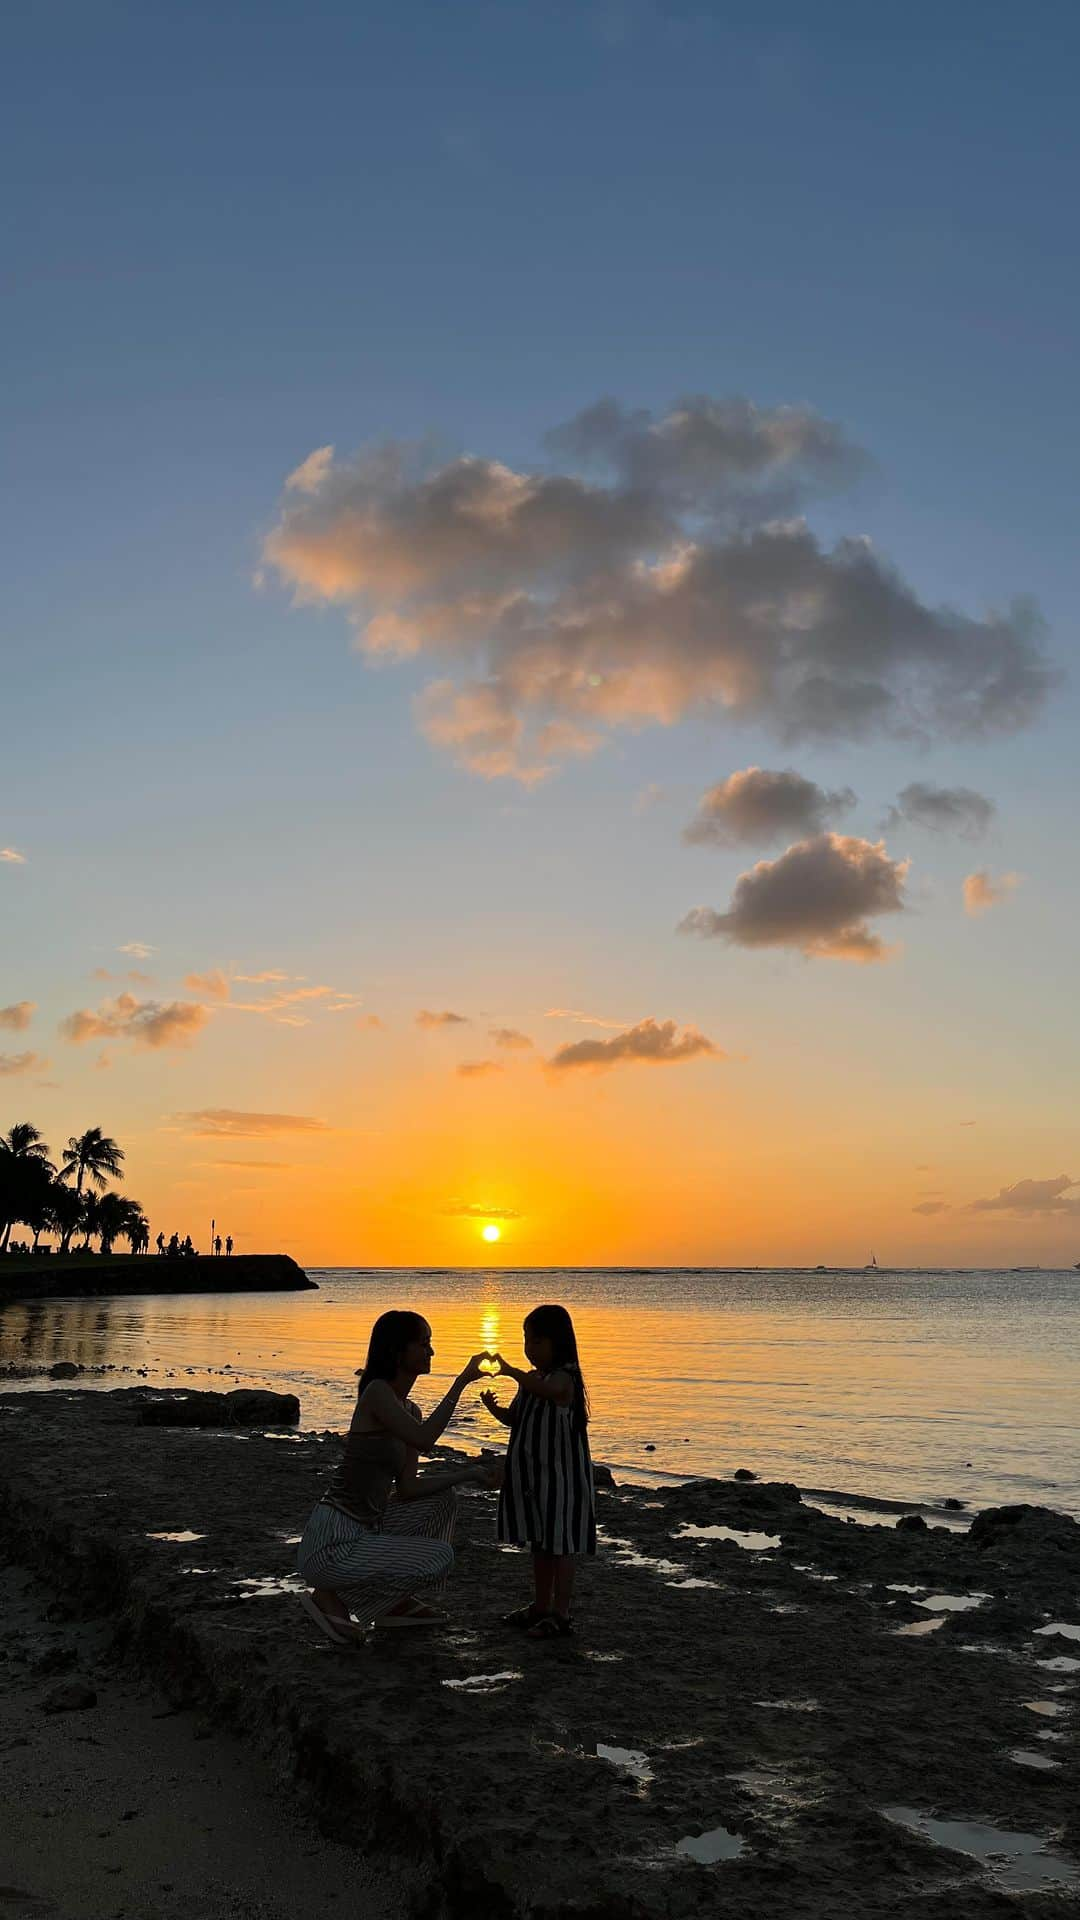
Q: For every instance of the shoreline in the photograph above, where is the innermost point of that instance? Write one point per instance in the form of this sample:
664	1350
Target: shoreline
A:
768	1689
25	1278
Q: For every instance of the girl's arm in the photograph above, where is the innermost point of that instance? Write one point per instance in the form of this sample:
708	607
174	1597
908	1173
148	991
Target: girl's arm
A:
387	1411
556	1386
498	1412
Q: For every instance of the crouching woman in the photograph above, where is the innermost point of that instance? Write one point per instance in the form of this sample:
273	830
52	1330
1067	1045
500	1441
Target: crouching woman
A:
382	1532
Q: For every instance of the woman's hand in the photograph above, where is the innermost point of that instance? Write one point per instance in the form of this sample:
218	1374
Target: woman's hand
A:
504	1365
490	1474
473	1369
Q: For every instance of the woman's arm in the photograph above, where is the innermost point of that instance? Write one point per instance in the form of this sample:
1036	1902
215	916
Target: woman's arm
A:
556	1386
386	1410
487	1473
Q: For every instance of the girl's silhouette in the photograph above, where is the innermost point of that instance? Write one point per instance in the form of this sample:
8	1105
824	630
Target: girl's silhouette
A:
547	1500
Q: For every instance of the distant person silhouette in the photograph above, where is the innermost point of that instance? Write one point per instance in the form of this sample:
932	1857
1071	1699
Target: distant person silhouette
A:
228	1244
173	1247
160	1243
187	1249
217	1245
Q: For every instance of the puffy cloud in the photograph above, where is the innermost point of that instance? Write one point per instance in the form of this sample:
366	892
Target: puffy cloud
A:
982	891
816	897
425	1018
12	1063
9	857
213	984
137	949
758	805
18	1016
655	1043
370	1022
468	1210
510	1039
149	1023
957	810
1029	1197
479	1069
555	609
212	1123
931	1206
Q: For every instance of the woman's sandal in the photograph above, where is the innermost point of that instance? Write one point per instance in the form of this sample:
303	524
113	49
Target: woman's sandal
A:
345	1633
551	1626
415	1615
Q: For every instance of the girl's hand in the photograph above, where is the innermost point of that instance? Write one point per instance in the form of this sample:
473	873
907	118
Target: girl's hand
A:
490	1401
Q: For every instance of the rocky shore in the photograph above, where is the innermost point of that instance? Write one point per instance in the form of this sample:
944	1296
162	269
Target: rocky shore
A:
25	1278
764	1709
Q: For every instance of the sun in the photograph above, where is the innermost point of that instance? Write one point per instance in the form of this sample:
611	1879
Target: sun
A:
491	1231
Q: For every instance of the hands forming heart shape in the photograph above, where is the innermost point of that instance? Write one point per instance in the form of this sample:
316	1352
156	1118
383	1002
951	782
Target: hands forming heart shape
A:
489	1365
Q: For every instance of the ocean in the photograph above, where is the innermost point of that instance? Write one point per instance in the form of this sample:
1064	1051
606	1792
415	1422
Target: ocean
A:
909	1385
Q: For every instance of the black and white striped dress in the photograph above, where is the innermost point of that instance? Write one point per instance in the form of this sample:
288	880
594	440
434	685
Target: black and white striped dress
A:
547	1500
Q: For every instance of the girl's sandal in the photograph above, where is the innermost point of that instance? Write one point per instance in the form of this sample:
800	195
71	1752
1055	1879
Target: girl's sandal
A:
524	1617
551	1626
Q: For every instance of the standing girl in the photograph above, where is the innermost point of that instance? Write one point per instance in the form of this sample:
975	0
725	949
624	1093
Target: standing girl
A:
547	1500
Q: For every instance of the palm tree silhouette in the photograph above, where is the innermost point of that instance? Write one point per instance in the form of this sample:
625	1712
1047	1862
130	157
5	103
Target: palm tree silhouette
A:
92	1154
24	1167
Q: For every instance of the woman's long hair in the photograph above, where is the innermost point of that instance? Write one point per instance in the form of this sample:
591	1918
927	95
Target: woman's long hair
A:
555	1324
390	1336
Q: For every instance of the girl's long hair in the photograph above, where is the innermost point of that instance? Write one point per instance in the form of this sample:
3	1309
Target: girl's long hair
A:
390	1336
554	1324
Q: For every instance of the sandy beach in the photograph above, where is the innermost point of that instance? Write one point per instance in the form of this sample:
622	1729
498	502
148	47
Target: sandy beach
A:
758	1714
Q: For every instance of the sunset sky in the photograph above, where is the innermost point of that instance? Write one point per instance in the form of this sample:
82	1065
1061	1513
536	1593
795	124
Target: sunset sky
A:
540	653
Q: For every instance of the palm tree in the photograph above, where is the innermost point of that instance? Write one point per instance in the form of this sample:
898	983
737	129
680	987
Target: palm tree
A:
135	1229
90	1206
92	1153
112	1218
24	1157
65	1210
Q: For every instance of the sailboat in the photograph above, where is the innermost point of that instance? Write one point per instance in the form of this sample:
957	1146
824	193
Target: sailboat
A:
872	1262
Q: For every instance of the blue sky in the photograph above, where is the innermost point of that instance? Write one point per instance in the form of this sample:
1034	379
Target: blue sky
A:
243	232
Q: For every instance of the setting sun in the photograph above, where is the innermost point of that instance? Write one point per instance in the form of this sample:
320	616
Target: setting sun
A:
491	1232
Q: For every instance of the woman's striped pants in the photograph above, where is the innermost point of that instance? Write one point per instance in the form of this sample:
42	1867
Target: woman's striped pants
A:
371	1569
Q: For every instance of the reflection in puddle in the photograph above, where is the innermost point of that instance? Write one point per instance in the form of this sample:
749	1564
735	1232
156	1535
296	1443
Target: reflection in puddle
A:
1061	1663
918	1627
268	1583
627	1555
1024	1757
897	1586
1063	1627
1017	1860
485	1682
813	1574
790	1706
1051	1708
627	1760
185	1535
591	1654
716	1585
953	1602
707	1848
753	1542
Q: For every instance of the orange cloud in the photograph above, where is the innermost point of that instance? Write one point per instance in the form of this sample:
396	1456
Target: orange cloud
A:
650	1042
9	857
758	805
425	1018
18	1016
211	1123
510	1039
148	1023
13	1063
214	984
1030	1197
478	1069
981	891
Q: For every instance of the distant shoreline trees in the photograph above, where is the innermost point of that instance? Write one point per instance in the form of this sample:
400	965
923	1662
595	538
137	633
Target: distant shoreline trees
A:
35	1195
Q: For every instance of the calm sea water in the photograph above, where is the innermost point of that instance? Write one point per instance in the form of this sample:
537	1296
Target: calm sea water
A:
911	1385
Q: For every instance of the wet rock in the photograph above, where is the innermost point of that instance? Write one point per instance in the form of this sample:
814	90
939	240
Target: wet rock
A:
911	1523
1025	1530
648	1447
243	1407
64	1370
744	1473
603	1476
72	1696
